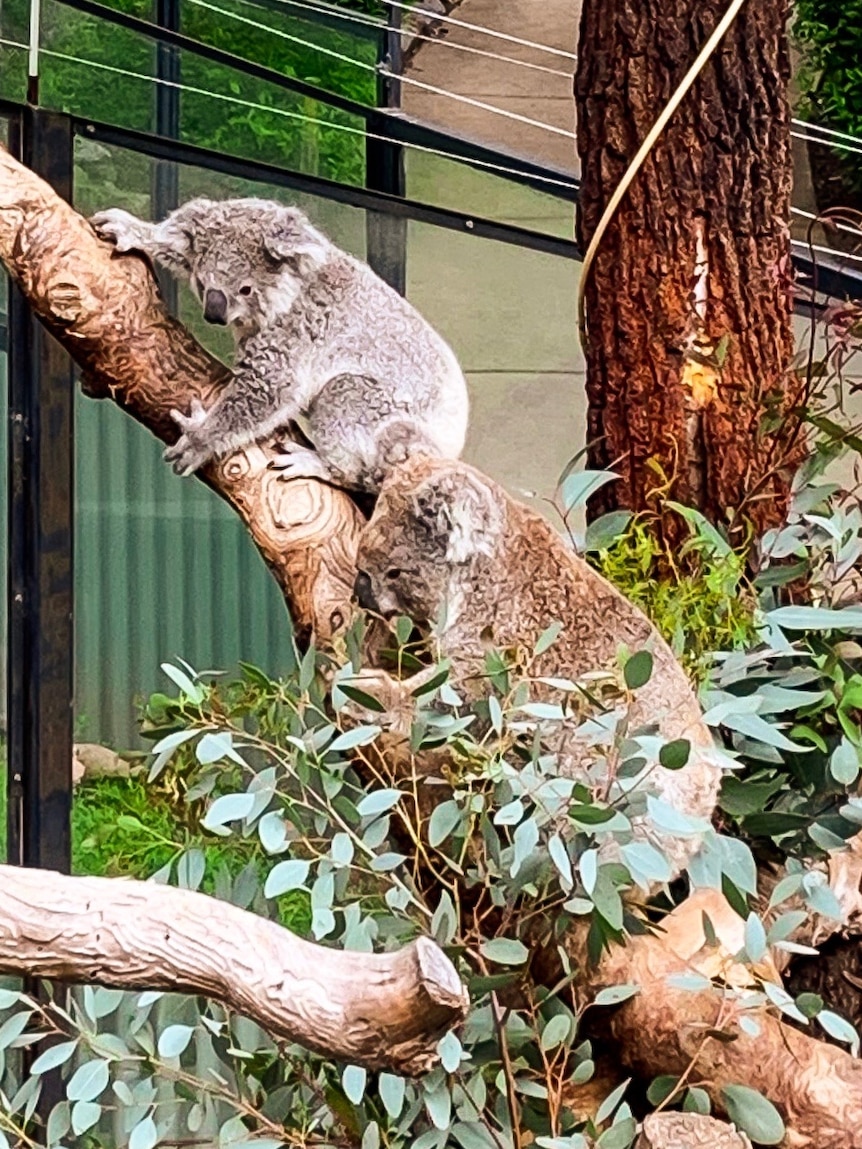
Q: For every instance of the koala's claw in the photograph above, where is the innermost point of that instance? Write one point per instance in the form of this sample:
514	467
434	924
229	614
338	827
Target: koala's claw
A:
197	414
186	456
299	462
118	227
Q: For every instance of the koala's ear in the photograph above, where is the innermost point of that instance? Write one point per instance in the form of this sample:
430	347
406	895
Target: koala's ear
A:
290	239
177	233
461	509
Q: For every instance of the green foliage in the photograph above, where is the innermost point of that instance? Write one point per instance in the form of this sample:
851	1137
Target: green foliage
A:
122	826
699	599
221	108
829	38
287	774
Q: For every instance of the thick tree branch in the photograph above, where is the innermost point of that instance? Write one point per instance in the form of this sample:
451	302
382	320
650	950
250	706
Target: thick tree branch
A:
106	311
384	1011
663	1029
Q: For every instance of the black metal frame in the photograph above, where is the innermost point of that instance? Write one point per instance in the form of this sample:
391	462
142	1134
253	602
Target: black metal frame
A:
180	152
40	652
165	188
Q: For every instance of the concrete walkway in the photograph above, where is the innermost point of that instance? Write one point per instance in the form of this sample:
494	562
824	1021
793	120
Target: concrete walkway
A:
511	84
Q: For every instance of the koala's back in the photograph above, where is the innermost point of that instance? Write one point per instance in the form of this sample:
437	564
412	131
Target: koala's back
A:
347	323
509	593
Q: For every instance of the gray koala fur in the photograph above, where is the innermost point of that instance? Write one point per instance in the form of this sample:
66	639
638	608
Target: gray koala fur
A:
447	543
318	334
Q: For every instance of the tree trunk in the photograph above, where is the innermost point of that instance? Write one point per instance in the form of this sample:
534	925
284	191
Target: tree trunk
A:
688	304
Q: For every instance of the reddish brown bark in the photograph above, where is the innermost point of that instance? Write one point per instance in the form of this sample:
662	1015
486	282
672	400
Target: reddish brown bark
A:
718	180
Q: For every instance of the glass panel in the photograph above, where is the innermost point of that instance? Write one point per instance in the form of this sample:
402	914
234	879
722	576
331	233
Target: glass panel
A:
94	69
4	343
449	183
509	315
164	569
342	59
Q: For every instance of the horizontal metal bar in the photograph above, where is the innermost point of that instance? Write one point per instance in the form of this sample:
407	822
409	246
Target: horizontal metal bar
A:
325	16
837	282
409	131
192	155
218	56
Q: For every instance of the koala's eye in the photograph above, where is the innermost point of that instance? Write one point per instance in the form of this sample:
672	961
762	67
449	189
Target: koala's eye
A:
393	573
245	289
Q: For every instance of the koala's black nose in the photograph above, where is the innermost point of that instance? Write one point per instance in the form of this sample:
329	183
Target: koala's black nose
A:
215	306
363	592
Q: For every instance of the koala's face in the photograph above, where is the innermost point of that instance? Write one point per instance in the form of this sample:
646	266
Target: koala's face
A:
434	522
402	567
247	259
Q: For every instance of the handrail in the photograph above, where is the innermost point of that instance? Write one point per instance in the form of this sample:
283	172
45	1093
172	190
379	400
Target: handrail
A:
161	147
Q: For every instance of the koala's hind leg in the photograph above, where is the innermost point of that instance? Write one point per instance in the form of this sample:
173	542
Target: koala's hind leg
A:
360	433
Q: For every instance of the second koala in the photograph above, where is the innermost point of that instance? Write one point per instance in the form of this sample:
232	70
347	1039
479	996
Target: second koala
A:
318	335
445	543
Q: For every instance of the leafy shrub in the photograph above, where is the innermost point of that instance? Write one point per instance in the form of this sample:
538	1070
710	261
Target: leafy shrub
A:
506	864
829	37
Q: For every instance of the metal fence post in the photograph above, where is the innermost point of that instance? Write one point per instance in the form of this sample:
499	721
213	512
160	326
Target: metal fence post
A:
386	236
40	650
165	190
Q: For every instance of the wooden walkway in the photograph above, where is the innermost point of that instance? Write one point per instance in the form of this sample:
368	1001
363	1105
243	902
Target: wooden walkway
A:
527	84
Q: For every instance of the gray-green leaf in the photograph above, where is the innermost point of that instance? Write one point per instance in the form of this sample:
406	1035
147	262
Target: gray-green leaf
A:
88	1080
505	951
751	1112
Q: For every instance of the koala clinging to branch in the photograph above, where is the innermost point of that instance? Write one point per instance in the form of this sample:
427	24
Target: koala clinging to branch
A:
318	334
447	543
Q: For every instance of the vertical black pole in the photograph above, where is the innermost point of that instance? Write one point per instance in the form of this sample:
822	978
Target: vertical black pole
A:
165	184
40	652
386	236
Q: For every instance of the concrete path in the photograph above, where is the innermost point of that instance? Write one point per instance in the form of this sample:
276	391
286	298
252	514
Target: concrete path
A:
518	85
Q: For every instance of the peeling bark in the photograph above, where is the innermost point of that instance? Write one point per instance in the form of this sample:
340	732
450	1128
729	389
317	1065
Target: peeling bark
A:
688	1131
383	1011
106	311
688	308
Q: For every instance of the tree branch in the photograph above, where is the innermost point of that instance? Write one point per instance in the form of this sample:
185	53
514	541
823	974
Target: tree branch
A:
106	311
661	1030
383	1011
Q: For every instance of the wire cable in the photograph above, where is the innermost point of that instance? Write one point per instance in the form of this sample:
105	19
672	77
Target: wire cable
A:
826	250
487	165
409	80
473	103
480	52
827	221
808	125
828	143
370	21
327	10
485	31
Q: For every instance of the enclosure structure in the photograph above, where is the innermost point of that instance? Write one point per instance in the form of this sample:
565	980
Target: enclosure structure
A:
143	111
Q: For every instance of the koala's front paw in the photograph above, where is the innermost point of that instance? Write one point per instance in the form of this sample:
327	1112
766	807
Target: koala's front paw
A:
125	231
196	416
187	455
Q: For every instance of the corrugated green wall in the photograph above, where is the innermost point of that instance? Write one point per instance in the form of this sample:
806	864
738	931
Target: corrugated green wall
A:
162	569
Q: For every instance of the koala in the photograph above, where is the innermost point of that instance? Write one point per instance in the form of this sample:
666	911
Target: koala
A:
318	335
446	543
